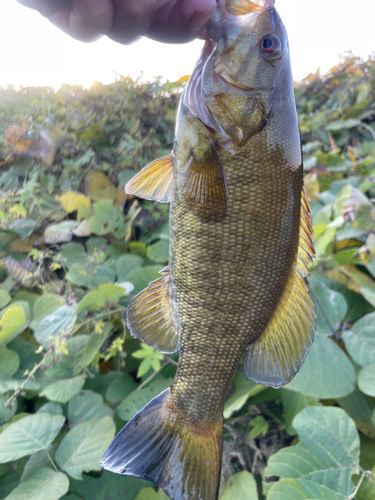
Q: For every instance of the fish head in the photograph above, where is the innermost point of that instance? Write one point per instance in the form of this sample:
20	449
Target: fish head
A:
243	68
250	44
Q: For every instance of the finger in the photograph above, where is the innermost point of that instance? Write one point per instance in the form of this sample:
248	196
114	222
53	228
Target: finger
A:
45	7
183	21
133	18
85	20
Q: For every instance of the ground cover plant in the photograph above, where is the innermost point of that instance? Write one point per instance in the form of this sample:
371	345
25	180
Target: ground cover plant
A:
74	250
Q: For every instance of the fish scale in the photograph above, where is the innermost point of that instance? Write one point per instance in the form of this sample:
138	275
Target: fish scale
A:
240	245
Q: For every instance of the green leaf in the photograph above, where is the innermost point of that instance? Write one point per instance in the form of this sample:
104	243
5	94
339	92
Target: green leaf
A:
366	380
60	323
87	405
120	388
332	302
37	460
327	452
137	399
293	403
329	368
73	253
360	340
260	427
29	435
9	360
60	233
82	448
94	343
89	275
107	219
5	298
8	383
302	489
44	306
360	408
127	264
69	364
106	293
159	252
143	277
239	487
54	408
43	484
63	390
6	413
13	321
243	391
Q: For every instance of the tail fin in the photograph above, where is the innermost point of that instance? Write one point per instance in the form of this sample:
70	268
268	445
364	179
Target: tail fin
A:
156	447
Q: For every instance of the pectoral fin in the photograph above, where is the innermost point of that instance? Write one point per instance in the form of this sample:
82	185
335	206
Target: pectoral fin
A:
154	182
149	316
204	186
277	355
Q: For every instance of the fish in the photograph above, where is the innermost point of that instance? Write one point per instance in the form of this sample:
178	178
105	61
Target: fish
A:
241	243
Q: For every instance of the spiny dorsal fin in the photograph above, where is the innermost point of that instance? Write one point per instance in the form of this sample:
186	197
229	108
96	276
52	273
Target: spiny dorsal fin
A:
277	355
154	182
204	186
149	316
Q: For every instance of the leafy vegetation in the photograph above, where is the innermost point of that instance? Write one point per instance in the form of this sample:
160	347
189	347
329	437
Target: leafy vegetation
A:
75	249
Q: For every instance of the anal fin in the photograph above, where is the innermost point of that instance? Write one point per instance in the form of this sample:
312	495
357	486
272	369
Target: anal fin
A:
278	354
149	316
154	182
204	186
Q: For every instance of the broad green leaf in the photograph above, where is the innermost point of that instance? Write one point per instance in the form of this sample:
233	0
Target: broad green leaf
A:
327	452
43	484
244	389
73	253
150	494
137	399
63	390
360	408
69	364
93	344
293	403
333	304
107	219
6	413
8	383
87	405
89	275
29	435
360	340
44	306
9	360
60	233
302	489
366	380
37	460
13	321
326	373
82	448
143	277
120	388
106	293
54	408
238	487
159	252
57	324
5	298
127	264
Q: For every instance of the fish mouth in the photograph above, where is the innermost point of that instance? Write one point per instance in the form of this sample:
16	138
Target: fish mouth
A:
221	71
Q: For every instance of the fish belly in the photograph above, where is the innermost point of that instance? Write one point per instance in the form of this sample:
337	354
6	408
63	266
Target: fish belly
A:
227	277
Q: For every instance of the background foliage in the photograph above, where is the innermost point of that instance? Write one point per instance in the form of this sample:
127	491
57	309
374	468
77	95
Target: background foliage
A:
74	250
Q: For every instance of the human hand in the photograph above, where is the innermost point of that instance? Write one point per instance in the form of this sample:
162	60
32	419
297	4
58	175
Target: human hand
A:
173	21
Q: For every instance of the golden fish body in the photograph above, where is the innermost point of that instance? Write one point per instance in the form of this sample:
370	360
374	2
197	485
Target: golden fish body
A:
240	241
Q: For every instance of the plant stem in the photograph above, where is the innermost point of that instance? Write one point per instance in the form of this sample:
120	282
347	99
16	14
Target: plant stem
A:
153	375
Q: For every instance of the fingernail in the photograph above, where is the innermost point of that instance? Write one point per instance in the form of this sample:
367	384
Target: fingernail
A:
200	19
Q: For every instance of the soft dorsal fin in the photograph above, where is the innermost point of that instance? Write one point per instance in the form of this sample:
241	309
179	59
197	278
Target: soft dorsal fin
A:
149	316
204	186
277	355
154	182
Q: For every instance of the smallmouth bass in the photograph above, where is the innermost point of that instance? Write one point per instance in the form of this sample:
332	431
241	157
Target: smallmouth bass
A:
240	243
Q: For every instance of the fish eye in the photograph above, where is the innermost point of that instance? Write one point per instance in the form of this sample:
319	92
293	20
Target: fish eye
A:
270	45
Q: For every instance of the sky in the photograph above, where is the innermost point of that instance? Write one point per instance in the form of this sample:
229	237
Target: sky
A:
34	52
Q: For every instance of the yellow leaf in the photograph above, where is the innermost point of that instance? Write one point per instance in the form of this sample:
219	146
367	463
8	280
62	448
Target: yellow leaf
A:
18	210
72	201
99	187
99	325
183	79
12	320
